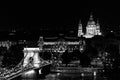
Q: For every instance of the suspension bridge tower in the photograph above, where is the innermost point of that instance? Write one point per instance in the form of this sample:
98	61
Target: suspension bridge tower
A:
31	54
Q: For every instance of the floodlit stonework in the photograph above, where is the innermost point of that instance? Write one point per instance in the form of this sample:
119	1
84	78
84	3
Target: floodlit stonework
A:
92	28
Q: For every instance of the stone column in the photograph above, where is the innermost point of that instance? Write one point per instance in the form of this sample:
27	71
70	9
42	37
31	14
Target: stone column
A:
36	59
30	53
27	55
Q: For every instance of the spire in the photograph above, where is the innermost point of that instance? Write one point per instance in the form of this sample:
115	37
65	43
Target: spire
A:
98	28
80	25
80	31
91	17
97	23
80	22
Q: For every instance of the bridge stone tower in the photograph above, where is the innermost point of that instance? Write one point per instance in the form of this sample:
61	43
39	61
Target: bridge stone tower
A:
31	53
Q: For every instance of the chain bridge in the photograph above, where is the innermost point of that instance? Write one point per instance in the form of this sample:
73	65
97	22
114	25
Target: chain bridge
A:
30	61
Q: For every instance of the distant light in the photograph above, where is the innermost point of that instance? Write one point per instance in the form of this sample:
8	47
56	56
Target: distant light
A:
11	34
40	71
58	74
71	31
94	73
82	74
111	31
61	34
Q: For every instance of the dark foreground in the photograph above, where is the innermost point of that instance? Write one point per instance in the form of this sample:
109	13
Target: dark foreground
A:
110	75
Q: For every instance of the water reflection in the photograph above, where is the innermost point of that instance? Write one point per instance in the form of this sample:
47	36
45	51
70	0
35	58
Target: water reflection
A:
33	75
29	74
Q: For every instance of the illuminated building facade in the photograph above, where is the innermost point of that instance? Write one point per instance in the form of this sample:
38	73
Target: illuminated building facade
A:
92	28
80	29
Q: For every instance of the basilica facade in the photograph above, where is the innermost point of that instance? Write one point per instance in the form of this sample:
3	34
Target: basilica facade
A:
92	28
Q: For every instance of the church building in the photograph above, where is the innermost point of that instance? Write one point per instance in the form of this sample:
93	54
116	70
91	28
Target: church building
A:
92	28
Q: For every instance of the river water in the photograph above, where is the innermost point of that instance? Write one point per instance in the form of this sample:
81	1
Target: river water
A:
34	75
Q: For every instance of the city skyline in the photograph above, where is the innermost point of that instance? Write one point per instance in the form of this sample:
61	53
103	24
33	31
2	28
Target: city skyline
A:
71	42
56	19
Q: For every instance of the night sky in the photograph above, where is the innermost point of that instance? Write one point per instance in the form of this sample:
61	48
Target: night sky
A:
57	17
